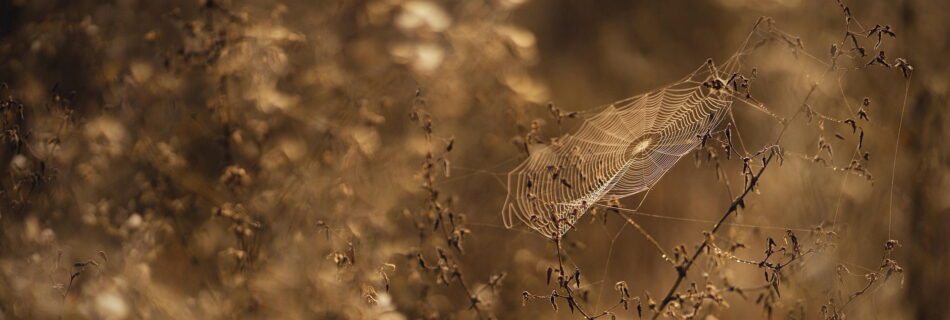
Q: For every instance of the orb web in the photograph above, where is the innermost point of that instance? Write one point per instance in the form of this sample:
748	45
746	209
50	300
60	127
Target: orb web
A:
621	150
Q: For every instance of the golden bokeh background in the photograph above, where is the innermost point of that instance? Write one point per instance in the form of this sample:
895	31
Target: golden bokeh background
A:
268	159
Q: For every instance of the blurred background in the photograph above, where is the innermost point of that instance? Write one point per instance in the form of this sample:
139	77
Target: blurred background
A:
347	159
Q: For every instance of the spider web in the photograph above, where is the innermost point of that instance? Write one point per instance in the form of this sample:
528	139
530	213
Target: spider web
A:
622	150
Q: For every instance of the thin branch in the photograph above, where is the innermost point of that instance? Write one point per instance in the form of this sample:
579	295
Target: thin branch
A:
682	270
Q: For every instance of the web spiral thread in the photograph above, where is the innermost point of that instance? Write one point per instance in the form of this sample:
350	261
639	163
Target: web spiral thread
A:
622	150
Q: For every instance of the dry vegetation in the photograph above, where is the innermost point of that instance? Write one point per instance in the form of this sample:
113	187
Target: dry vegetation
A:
348	159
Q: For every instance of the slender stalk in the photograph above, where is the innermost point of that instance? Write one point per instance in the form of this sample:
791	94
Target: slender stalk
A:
682	270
